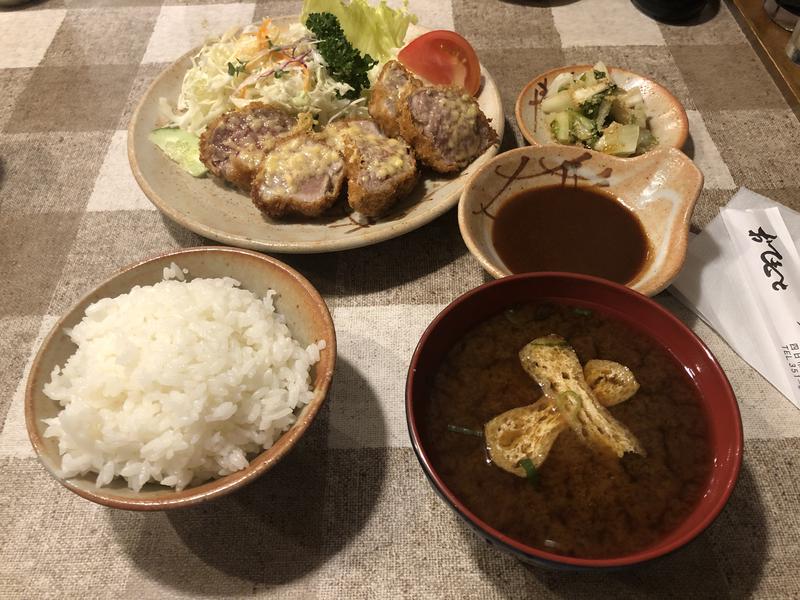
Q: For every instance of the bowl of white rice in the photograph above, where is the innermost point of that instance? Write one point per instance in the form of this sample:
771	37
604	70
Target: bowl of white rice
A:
180	378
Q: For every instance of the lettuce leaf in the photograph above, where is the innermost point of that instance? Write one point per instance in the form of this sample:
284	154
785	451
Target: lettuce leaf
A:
374	30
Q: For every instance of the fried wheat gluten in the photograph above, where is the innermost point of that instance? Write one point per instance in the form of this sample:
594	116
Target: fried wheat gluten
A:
610	381
530	431
553	364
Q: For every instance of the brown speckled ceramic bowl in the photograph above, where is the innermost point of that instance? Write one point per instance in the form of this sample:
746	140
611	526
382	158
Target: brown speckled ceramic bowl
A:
665	114
659	187
306	315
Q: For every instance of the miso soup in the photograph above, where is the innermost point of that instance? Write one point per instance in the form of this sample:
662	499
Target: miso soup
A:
585	503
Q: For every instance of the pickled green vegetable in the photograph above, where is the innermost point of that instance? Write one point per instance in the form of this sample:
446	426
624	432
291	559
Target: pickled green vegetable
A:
590	110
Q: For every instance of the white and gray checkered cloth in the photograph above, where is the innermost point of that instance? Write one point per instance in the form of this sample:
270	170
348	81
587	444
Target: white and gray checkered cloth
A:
348	514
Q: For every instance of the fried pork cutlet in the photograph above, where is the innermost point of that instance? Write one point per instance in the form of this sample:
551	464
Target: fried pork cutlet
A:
394	82
380	170
445	126
301	176
233	145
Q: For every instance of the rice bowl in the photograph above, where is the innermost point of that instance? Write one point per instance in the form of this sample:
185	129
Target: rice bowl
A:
177	382
194	412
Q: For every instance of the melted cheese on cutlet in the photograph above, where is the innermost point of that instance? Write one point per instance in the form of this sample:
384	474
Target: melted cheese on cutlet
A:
298	160
463	112
384	156
391	163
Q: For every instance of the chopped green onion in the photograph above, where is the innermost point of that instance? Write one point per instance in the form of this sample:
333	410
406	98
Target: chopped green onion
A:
584	312
464	430
530	471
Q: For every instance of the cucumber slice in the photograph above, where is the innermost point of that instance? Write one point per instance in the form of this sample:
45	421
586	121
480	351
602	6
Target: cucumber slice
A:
620	140
621	113
646	141
582	127
633	97
561	82
558	102
600	67
640	117
602	112
581	95
182	147
560	127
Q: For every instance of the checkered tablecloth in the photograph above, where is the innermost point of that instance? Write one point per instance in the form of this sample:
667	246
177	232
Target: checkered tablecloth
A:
348	514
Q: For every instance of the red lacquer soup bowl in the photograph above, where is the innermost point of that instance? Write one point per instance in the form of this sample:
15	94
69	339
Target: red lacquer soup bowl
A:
637	312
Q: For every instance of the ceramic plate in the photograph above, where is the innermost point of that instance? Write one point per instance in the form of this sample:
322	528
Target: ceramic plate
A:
666	116
212	210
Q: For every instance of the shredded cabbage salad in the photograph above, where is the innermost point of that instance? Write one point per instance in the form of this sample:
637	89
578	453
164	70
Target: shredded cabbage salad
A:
280	64
269	64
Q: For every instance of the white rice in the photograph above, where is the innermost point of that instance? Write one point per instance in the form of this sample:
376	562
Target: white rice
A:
177	383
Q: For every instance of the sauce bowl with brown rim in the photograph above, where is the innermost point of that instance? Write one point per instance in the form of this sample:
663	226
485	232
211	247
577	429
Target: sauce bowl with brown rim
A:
659	188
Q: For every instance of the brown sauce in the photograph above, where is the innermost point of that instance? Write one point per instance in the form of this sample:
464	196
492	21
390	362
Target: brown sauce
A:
586	504
573	229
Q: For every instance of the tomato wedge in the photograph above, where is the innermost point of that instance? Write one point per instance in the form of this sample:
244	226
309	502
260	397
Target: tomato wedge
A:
445	58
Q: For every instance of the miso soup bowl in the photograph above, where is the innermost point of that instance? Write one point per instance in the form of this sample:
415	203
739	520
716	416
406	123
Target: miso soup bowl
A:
306	315
660	188
622	304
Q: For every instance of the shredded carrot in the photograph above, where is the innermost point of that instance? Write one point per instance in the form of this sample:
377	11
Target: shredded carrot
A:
262	35
306	78
254	61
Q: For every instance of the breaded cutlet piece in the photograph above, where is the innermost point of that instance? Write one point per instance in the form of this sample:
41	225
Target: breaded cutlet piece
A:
234	144
445	126
380	170
394	82
301	176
